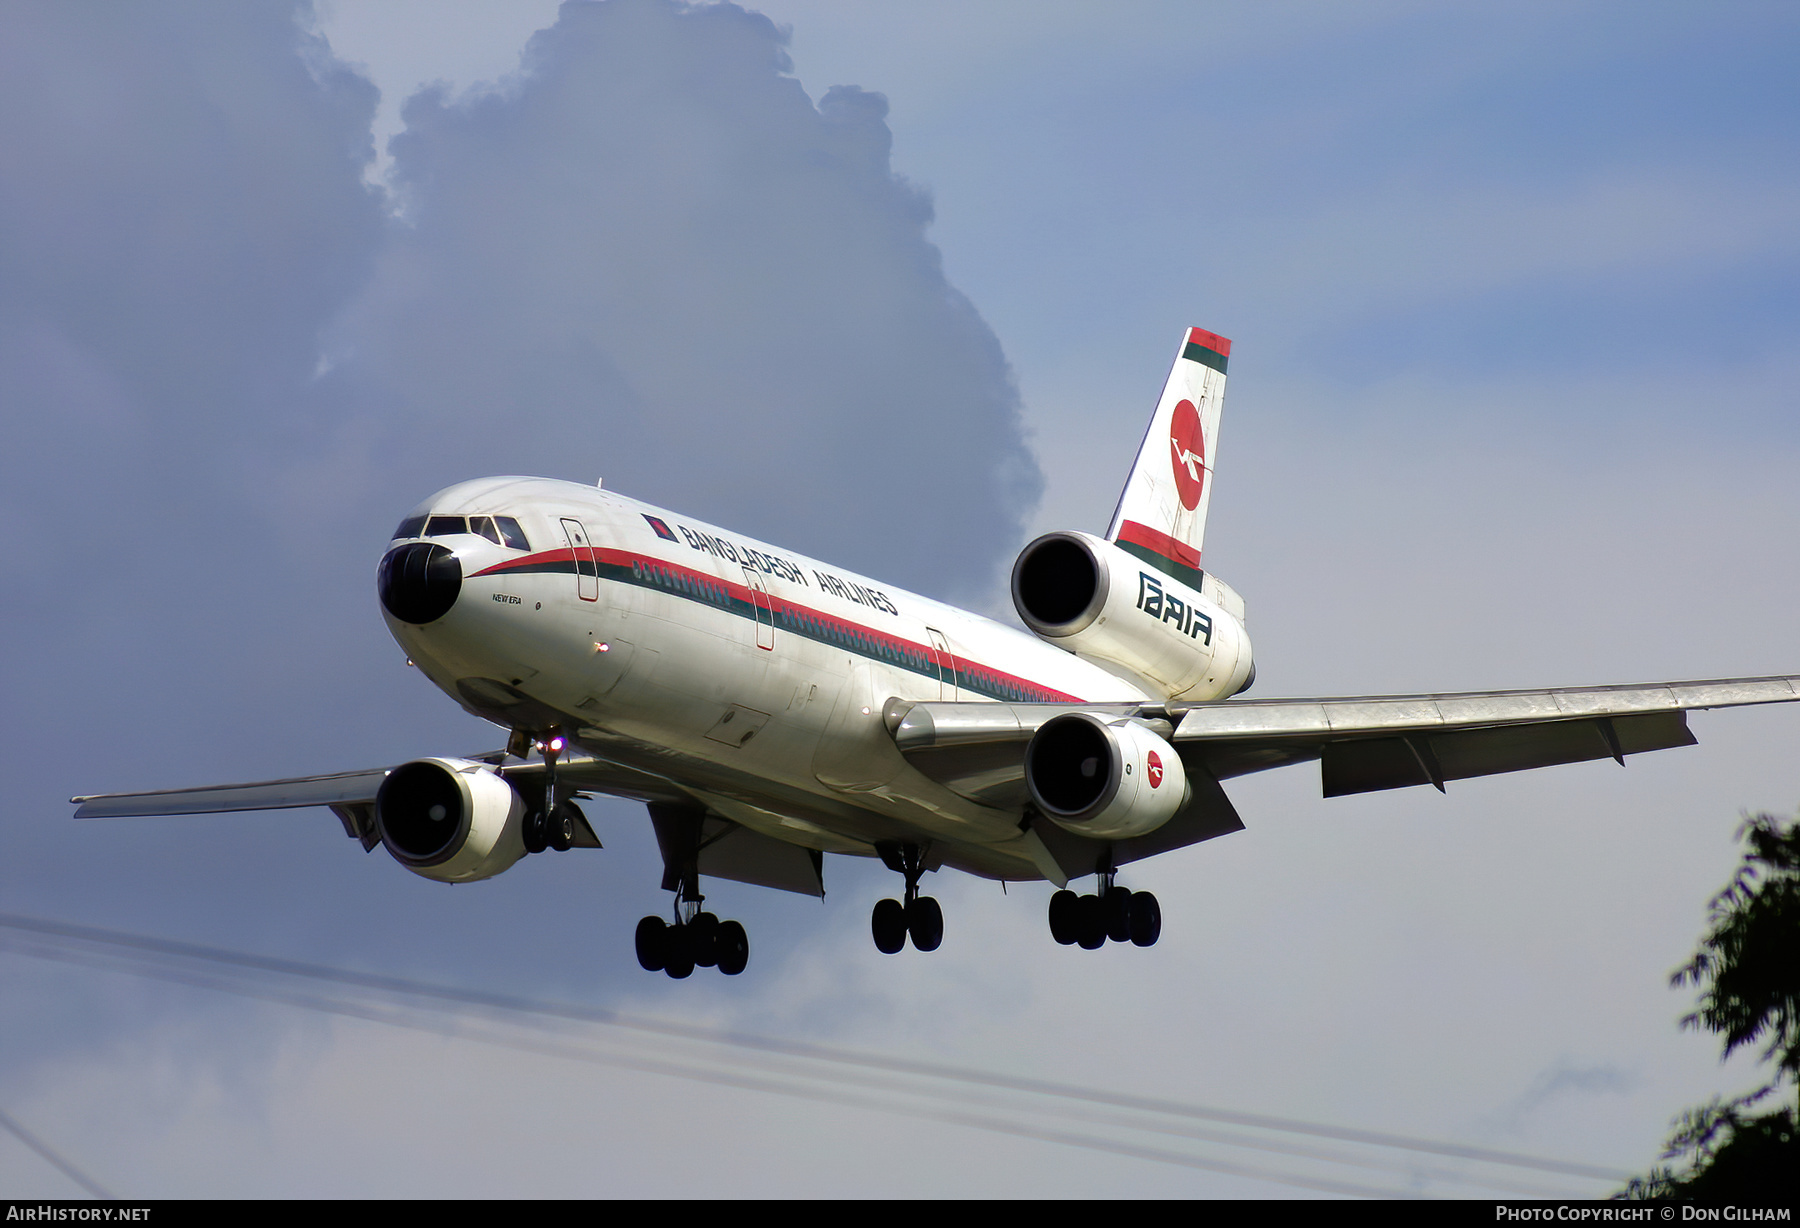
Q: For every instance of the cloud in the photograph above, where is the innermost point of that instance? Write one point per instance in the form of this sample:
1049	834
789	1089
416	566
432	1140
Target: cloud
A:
652	256
226	369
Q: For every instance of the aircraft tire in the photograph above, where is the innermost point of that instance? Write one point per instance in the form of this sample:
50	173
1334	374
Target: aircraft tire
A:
703	939
888	924
1118	913
652	943
536	831
1091	933
1146	919
733	946
1065	909
560	829
678	954
925	922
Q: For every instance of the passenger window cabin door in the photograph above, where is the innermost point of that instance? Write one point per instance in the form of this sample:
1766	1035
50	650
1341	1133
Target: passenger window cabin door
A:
763	607
587	567
946	663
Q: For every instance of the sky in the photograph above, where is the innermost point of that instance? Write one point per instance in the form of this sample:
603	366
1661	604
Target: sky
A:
1512	294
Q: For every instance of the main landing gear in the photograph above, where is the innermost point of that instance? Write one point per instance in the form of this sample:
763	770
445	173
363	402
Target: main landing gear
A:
915	916
1111	912
696	940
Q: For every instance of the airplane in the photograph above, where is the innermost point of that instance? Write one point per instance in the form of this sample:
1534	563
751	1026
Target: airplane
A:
770	708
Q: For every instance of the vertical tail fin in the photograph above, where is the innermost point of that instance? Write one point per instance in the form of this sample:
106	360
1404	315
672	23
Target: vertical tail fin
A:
1161	516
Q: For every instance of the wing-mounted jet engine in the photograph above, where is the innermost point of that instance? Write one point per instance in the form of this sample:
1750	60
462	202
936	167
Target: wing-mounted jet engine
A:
1088	596
453	820
1102	777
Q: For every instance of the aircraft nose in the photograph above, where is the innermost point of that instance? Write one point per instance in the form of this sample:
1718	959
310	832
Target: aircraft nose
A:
419	582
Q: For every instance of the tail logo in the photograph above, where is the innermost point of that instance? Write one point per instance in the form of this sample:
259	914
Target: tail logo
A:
1189	449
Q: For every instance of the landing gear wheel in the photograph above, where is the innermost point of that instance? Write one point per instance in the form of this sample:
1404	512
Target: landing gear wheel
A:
888	924
1091	930
1117	902
560	827
652	943
678	953
536	831
1146	919
1065	909
703	934
732	946
925	922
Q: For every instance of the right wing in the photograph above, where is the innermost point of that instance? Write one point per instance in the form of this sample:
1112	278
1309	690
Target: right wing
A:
335	789
351	795
728	850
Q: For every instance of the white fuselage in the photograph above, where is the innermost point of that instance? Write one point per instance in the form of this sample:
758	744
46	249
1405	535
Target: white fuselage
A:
751	677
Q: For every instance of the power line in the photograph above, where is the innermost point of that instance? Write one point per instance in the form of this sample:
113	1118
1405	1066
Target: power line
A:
63	1165
140	954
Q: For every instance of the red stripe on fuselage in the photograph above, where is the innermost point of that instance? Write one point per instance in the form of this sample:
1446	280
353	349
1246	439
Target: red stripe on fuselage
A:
990	677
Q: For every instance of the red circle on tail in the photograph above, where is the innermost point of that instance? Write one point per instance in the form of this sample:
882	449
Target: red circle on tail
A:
1187	450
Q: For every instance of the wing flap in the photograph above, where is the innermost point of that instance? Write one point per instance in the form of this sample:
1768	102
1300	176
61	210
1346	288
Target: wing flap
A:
1364	765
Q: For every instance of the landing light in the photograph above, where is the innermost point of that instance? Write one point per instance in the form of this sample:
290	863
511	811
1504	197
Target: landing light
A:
600	647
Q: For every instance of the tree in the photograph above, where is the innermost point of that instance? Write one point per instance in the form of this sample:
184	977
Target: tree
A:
1748	973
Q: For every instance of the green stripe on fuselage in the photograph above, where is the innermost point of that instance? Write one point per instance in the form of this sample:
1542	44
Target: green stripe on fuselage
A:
1190	576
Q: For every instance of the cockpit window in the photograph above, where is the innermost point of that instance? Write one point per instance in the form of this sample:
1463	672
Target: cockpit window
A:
501	530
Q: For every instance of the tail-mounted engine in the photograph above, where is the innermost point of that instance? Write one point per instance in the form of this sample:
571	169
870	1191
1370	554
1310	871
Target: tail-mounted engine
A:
1108	779
1085	594
454	820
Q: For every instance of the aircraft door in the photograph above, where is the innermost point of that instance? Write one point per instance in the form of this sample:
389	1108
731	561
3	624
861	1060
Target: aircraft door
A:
587	567
765	609
946	663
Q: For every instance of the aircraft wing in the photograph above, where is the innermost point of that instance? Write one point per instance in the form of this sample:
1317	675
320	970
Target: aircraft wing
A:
1362	743
337	788
351	795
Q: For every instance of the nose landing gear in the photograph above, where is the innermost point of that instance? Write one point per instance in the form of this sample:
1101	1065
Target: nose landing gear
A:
915	916
552	825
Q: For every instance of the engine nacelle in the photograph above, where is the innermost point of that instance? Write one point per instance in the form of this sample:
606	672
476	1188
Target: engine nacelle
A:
1085	594
455	820
1106	779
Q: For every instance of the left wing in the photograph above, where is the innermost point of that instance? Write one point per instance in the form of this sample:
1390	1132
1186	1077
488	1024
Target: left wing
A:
1362	743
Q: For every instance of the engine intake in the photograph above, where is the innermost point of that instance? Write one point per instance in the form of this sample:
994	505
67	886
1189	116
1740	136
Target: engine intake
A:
1084	594
1107	780
454	820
